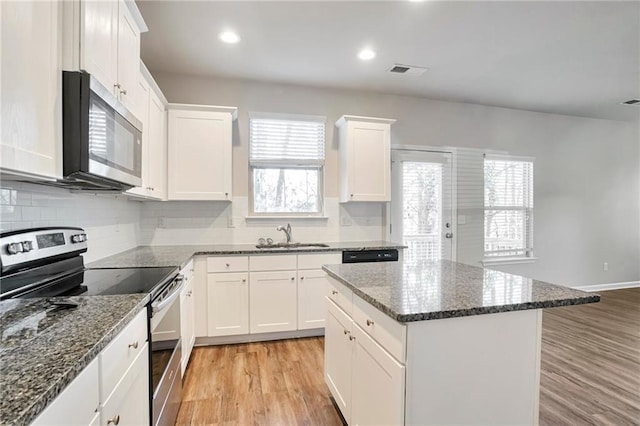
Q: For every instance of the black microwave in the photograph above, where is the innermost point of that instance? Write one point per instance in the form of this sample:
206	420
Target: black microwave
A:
101	139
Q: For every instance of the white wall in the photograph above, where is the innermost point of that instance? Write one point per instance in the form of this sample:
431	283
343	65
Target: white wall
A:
587	178
112	223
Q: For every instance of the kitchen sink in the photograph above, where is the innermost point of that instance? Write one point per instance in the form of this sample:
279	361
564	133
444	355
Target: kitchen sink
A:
290	245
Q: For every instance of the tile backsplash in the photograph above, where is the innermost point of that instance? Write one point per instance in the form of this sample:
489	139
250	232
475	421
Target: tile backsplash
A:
112	222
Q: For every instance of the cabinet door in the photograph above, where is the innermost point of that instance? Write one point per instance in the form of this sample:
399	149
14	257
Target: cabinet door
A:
199	155
141	111
273	301
157	130
77	404
228	303
129	402
99	41
31	108
186	323
369	161
338	349
312	306
377	392
128	56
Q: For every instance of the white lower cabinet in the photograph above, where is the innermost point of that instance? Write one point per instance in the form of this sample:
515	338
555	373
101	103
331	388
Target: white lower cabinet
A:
273	301
377	389
78	404
338	358
366	381
187	316
128	404
228	303
113	389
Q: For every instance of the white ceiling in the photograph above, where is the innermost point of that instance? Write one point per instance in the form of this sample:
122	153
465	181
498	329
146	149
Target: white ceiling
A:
576	58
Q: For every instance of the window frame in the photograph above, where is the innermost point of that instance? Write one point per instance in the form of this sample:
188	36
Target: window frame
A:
528	214
287	165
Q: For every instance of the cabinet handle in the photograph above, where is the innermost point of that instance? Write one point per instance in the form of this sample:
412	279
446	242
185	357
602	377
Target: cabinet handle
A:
352	338
346	331
227	264
244	280
293	278
117	85
369	322
301	278
133	345
334	292
351	195
114	420
123	92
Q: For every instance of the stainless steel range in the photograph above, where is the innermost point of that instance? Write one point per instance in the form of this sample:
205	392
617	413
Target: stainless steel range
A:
48	262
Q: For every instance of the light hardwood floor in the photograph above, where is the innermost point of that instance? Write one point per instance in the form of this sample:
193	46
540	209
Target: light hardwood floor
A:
590	373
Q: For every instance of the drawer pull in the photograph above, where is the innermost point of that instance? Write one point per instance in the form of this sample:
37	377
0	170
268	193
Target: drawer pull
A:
352	338
227	264
114	420
133	345
301	278
334	292
244	280
293	278
369	322
346	331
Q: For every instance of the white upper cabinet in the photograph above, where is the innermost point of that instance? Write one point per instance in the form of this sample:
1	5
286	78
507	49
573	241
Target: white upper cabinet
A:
365	158
149	107
102	37
31	108
200	152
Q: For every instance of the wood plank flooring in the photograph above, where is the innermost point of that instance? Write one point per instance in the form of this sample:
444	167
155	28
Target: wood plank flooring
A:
590	373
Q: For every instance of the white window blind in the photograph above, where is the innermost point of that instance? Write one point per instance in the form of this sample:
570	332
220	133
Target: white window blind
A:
286	141
286	159
508	207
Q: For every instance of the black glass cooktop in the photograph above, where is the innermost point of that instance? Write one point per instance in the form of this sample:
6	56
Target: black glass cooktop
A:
91	282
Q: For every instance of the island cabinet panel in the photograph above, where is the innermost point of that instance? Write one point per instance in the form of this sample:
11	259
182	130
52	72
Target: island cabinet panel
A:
78	404
491	363
377	392
389	333
338	349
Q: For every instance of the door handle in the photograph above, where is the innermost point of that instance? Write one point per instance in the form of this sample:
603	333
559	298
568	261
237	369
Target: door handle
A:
448	235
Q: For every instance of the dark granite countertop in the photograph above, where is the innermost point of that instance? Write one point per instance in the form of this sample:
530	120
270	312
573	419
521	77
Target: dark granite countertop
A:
43	350
179	255
444	289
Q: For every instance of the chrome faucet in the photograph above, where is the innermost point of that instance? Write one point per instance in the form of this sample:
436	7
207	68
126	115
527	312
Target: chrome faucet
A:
286	230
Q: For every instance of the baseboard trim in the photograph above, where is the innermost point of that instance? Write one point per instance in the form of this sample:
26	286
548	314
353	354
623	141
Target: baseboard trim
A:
609	286
262	337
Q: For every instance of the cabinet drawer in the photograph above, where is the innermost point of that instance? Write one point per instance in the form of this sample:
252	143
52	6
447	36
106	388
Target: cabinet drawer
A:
187	271
340	294
129	403
228	264
122	351
285	262
390	334
315	261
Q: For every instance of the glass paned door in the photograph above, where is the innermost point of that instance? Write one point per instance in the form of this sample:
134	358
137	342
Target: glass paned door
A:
421	206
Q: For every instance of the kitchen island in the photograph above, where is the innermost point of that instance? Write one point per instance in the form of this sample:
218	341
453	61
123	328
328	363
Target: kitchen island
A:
437	342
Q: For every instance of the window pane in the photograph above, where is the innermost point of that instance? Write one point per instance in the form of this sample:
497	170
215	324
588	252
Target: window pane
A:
422	210
273	140
508	183
279	190
505	232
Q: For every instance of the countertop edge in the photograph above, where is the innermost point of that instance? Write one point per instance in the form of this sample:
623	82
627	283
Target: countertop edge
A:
40	404
483	310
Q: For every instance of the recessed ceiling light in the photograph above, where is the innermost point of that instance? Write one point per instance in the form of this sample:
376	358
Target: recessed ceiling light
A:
366	54
229	37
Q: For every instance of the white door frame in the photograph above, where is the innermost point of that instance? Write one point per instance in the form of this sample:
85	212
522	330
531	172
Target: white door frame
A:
387	235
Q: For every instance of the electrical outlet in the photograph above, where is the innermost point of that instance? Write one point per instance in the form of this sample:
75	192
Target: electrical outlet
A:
605	266
345	220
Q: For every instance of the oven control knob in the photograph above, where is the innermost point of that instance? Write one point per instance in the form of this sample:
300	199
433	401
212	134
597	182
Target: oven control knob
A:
78	238
27	246
14	248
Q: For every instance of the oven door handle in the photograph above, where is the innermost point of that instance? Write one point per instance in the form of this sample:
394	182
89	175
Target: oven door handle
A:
158	306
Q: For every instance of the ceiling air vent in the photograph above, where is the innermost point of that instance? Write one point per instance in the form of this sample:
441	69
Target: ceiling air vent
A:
407	70
632	102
